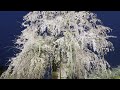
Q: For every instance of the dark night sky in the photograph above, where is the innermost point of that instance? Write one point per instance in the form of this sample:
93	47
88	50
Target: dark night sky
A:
10	26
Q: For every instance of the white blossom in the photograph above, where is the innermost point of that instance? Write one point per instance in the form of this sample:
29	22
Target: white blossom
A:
72	43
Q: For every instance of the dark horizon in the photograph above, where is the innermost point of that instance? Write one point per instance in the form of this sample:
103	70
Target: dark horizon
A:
10	27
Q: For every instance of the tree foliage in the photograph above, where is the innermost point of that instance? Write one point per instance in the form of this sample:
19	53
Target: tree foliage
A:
60	44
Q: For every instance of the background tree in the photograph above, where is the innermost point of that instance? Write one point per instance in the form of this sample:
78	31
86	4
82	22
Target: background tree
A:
61	45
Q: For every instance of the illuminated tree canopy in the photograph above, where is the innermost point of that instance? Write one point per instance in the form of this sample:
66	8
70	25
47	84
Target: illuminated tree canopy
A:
61	45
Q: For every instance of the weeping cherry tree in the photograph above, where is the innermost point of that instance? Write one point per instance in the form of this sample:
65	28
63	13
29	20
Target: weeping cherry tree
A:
60	45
